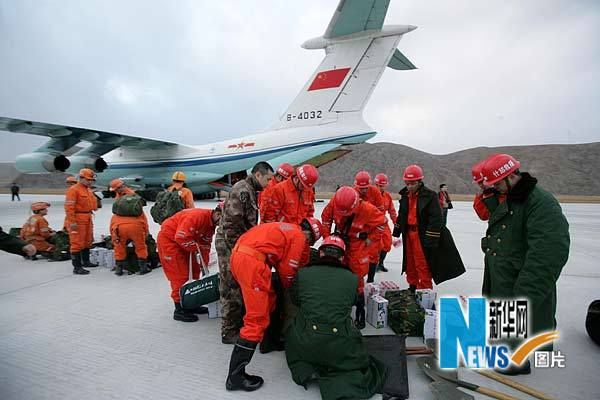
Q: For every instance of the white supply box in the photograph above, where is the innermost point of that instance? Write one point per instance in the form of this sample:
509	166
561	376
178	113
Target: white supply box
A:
215	310
430	328
109	259
377	311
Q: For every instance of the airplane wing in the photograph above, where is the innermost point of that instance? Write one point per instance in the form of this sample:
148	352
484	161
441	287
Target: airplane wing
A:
352	16
71	134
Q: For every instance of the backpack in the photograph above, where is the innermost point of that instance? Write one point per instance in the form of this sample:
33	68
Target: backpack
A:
167	204
61	243
405	315
128	206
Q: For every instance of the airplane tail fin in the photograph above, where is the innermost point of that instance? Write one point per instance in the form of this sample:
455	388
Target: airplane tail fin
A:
358	48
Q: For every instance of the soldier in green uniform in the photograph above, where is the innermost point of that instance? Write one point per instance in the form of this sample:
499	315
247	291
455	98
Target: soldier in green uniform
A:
240	213
15	245
526	245
322	343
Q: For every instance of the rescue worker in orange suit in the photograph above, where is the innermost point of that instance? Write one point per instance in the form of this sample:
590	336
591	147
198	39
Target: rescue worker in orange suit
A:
185	233
361	225
70	181
36	230
381	181
186	194
293	199
126	228
282	246
488	198
284	171
80	203
370	193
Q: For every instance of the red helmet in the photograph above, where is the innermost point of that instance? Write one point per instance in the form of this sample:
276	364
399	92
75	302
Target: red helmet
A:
39	205
362	179
315	226
286	170
413	173
88	174
71	180
476	171
334	241
308	175
381	179
115	184
498	167
345	201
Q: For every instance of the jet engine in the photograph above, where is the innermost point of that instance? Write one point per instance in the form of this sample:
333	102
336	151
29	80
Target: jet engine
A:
41	163
96	163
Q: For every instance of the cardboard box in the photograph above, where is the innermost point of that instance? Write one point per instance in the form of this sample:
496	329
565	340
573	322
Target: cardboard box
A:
426	298
387	285
109	259
377	311
215	310
430	328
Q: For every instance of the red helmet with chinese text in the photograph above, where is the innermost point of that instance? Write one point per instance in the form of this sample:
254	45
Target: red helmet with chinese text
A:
362	179
334	241
345	201
413	173
381	179
315	227
308	175
476	171
498	167
286	170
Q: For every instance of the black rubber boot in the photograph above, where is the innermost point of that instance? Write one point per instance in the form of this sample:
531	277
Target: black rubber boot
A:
524	369
272	339
119	267
371	274
230	338
238	379
183	315
143	264
85	259
76	261
359	321
382	267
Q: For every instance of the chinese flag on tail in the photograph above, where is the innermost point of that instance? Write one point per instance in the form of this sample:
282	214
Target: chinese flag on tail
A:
329	79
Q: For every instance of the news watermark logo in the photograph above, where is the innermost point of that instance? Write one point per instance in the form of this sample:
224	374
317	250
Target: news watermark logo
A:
476	337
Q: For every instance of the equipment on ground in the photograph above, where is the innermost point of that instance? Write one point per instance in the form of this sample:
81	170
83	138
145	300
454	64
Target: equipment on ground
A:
391	351
405	315
199	292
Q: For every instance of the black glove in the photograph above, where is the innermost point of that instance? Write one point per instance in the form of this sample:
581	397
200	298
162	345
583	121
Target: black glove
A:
397	232
362	235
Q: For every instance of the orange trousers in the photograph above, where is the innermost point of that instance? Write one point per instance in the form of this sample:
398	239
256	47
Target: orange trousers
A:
121	232
83	237
417	269
175	262
358	262
386	239
41	244
254	278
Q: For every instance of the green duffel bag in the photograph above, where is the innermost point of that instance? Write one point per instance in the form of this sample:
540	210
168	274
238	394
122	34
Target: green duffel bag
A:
62	246
200	292
129	206
405	315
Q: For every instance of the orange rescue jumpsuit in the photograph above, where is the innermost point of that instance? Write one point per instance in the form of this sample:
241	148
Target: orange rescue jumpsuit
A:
80	202
265	195
179	236
368	220
373	196
287	204
186	195
417	269
35	231
276	244
388	206
123	229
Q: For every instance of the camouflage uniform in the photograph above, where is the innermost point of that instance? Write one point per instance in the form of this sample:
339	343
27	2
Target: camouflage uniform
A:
240	213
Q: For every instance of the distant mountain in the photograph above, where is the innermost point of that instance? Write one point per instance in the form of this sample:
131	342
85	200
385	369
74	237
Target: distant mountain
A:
572	169
569	169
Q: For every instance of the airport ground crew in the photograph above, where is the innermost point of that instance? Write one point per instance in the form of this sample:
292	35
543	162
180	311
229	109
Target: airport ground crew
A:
15	245
322	341
488	198
284	171
371	194
185	233
240	213
293	199
14	190
128	228
445	202
37	230
361	225
186	194
286	248
70	181
80	203
526	245
429	250
381	181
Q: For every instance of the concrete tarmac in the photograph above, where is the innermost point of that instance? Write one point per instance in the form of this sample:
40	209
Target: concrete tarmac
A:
101	336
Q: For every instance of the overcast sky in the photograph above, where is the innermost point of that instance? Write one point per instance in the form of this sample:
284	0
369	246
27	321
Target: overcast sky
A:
490	73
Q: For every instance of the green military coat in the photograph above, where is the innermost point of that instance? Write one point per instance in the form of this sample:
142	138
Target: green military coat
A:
322	342
526	246
11	244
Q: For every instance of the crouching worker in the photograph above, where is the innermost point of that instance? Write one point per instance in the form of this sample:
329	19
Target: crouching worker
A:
36	230
185	233
276	244
322	343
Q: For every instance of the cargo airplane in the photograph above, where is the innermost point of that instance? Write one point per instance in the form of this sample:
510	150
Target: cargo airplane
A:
326	114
